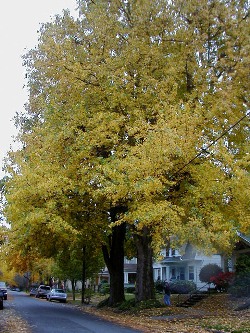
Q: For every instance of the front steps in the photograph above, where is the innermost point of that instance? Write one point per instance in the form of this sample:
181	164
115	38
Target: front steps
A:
192	300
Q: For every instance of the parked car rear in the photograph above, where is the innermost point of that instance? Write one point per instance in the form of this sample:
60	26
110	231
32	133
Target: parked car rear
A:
42	291
57	295
3	288
33	291
1	300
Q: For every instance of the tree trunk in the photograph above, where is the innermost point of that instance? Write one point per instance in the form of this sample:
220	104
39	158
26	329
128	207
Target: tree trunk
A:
83	272
144	278
73	289
114	259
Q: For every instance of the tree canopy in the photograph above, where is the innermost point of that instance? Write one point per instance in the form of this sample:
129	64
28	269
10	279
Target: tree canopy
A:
141	106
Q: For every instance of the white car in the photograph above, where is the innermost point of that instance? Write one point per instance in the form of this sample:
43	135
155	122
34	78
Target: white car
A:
57	295
42	291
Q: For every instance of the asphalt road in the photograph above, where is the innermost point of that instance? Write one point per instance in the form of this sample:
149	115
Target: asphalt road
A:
54	317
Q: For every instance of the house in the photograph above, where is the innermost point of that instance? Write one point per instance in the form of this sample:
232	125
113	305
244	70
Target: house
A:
130	271
183	264
241	247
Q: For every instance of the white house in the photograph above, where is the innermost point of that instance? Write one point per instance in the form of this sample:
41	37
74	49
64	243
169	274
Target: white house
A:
186	266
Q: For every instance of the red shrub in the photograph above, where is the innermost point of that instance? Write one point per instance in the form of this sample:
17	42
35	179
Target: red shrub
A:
222	280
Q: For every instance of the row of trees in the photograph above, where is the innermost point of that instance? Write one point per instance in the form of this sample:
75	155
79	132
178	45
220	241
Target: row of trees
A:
135	133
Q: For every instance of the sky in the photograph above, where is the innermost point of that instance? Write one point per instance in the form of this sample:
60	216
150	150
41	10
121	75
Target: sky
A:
20	21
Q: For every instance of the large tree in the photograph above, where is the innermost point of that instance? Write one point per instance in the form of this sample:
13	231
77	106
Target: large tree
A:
131	118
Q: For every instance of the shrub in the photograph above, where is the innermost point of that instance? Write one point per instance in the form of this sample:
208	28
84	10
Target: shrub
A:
242	264
241	285
104	288
130	290
182	287
159	286
209	271
222	281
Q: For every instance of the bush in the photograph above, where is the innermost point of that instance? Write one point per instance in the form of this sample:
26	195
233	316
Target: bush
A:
240	286
130	290
182	287
222	281
104	288
159	286
242	264
209	271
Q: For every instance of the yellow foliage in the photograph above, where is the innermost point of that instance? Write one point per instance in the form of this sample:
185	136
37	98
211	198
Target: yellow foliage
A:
126	110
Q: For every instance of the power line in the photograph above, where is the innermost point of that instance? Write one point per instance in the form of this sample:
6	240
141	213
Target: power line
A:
212	143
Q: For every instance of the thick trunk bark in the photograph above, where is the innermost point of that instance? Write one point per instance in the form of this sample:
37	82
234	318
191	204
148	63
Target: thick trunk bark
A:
114	259
144	277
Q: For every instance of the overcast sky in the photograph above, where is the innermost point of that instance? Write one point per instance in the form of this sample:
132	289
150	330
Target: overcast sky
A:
19	22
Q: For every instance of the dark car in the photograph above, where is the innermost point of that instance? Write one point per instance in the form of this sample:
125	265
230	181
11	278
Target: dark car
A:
1	300
42	291
3	288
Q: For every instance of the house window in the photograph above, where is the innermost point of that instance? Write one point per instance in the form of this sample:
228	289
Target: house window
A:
191	273
182	273
131	278
173	274
164	273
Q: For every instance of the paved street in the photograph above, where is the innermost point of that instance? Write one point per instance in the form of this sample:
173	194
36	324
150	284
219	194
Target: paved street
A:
54	317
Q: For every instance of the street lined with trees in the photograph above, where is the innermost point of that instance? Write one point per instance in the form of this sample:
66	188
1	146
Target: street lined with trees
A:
136	132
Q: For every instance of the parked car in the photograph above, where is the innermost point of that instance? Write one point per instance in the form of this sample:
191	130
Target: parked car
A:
42	291
1	300
3	288
57	295
33	291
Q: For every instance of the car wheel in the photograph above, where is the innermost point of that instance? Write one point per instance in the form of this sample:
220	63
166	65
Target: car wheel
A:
50	299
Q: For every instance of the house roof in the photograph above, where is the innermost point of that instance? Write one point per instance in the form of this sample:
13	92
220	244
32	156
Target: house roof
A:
171	259
244	238
243	244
